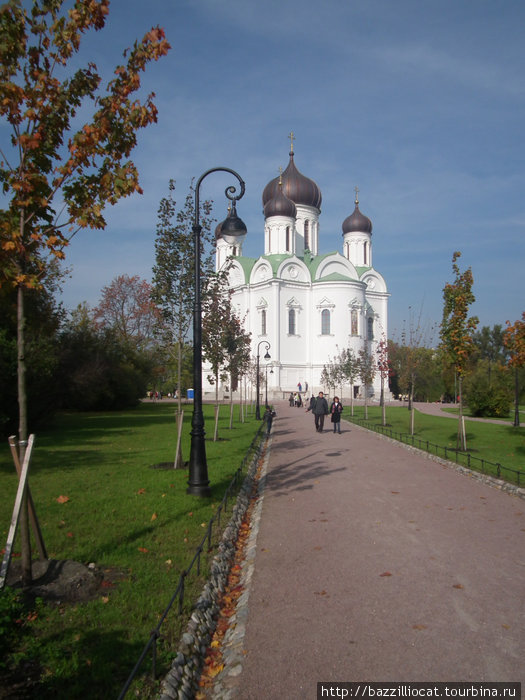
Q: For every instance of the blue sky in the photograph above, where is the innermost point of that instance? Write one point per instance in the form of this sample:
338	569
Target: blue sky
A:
420	103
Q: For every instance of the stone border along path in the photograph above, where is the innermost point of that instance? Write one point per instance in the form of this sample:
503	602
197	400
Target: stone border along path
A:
181	682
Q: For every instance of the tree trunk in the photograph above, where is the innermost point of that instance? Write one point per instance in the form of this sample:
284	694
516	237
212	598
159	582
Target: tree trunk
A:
179	460
382	401
516	400
461	443
22	436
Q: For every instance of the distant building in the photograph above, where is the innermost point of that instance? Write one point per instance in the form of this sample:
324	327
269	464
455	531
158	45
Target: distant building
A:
308	305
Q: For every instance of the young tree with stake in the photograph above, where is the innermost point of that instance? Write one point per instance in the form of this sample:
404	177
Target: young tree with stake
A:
457	330
47	167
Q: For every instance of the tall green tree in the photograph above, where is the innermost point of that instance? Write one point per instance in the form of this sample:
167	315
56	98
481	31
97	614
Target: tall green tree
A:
174	270
350	370
47	167
490	346
367	372
457	329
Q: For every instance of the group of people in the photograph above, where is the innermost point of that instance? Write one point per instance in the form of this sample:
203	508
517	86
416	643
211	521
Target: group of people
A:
295	399
319	407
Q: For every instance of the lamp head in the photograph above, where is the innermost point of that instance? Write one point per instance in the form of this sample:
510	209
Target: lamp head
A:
232	228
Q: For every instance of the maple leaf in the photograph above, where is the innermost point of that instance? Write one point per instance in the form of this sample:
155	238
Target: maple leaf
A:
154	516
142	549
62	499
141	491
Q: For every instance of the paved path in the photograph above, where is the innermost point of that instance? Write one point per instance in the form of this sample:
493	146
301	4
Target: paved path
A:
376	563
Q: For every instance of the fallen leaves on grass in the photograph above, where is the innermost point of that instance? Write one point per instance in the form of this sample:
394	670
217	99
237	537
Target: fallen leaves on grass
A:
62	499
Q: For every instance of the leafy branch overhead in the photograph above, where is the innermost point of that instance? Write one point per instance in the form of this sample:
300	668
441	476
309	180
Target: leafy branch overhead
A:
45	166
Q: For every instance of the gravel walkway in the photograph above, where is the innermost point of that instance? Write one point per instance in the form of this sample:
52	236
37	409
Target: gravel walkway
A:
372	562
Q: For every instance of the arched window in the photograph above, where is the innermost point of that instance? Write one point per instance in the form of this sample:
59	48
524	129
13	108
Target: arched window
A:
287	239
291	322
353	322
365	251
307	235
370	322
234	251
325	322
263	322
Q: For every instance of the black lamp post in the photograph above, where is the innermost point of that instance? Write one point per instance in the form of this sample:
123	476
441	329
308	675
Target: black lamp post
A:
266	357
266	385
198	482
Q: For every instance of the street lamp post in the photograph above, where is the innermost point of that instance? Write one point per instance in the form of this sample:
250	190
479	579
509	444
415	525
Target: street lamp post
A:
266	385
266	357
198	482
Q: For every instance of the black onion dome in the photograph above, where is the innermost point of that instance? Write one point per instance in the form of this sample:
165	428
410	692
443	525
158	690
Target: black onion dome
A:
357	222
296	186
280	205
232	226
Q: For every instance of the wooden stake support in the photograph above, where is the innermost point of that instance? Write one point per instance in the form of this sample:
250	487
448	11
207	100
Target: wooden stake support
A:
23	472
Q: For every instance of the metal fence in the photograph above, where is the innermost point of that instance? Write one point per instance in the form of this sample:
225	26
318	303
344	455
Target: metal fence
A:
515	476
214	527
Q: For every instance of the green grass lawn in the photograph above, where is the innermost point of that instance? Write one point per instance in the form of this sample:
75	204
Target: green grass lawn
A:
496	443
119	513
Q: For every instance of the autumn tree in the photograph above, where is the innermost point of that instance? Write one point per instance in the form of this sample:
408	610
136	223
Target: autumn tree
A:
457	330
58	179
514	340
126	306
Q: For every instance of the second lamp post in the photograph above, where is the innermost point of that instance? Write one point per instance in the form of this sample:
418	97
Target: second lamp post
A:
266	357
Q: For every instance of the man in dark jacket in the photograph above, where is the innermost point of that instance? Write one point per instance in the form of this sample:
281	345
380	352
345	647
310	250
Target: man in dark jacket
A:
320	410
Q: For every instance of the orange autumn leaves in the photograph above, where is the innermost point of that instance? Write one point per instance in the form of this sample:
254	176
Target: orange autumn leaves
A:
213	661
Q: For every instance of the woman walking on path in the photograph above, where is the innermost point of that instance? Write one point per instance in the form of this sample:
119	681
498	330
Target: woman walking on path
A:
336	409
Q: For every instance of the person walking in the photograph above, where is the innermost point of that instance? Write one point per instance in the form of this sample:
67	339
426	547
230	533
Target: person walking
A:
320	410
268	417
335	410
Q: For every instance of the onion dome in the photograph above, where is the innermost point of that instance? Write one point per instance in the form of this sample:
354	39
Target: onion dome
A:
280	205
231	228
357	221
296	186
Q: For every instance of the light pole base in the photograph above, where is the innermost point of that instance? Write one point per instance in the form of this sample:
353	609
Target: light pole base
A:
201	490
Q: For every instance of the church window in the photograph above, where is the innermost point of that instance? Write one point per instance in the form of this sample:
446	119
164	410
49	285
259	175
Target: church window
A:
291	322
234	251
365	253
353	322
287	239
325	322
263	322
370	322
306	235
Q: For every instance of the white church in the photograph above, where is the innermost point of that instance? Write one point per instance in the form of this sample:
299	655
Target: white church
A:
301	305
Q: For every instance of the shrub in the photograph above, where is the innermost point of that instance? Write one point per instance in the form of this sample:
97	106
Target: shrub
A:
486	398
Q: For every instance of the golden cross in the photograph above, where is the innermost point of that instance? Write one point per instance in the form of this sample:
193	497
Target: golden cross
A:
291	137
356	189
